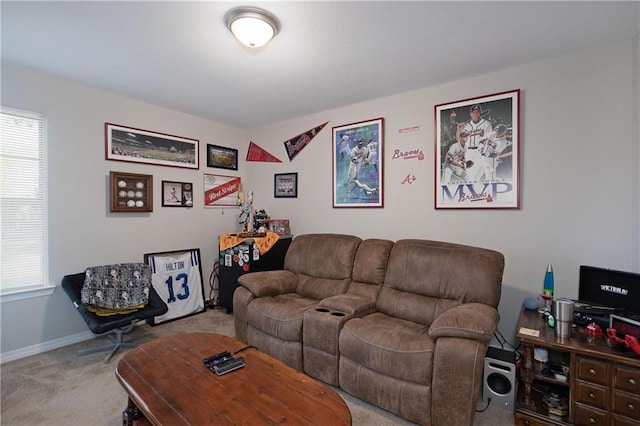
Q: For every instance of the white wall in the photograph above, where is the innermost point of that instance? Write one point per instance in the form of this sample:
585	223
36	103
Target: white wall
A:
579	180
82	230
579	162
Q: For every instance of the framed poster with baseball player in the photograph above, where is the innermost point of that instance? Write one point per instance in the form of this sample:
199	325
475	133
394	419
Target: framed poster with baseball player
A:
477	154
177	277
358	163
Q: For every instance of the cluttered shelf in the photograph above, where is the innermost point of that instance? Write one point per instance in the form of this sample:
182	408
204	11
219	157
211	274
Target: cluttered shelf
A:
559	375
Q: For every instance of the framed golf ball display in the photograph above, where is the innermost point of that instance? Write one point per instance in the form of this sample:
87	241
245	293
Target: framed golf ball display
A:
131	193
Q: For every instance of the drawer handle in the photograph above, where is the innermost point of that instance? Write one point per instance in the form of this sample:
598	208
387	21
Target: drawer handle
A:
592	421
591	395
631	407
592	371
632	382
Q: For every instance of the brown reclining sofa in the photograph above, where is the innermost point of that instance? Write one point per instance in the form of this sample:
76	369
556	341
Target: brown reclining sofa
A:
402	325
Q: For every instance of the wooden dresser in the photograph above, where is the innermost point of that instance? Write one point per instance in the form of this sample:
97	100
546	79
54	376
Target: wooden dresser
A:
590	384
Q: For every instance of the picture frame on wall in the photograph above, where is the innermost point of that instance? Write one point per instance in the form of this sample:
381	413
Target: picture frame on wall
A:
285	185
144	146
221	190
177	194
130	192
222	157
358	164
477	152
177	278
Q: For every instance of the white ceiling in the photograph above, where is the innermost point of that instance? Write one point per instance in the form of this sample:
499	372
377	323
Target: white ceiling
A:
328	54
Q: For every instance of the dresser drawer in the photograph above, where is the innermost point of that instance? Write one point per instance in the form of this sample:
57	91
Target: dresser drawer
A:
590	416
626	404
593	395
593	371
521	419
626	379
624	421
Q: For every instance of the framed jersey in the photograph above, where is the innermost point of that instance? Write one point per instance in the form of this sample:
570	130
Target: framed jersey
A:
177	278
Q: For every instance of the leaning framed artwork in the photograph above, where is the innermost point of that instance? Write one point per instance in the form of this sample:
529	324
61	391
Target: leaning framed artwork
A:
358	163
477	152
285	185
144	146
177	278
221	157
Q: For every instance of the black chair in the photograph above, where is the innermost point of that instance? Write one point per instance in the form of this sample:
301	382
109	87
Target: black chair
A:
116	325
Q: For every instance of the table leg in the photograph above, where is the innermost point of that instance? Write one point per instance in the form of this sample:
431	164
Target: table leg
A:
130	414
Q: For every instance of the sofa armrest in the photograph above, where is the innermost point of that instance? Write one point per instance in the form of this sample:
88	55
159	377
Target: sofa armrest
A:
269	283
474	321
353	304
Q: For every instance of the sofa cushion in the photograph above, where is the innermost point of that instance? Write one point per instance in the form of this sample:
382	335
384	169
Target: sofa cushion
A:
280	316
322	255
370	267
391	346
426	278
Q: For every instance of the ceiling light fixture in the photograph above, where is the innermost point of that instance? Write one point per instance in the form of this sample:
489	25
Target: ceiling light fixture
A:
252	26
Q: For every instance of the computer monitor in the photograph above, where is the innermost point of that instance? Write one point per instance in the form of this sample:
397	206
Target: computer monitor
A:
617	290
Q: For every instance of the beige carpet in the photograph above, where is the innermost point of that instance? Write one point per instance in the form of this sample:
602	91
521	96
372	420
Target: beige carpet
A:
58	388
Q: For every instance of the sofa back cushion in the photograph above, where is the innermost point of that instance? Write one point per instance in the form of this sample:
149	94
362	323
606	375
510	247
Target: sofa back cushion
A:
425	278
370	268
323	263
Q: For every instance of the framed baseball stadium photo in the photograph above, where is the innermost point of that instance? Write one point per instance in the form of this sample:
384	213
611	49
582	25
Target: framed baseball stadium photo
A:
177	277
144	146
358	162
221	157
477	152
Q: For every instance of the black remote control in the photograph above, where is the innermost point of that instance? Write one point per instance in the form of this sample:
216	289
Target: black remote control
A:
228	366
216	358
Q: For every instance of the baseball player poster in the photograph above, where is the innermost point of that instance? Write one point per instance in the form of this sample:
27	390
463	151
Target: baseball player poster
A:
357	164
477	153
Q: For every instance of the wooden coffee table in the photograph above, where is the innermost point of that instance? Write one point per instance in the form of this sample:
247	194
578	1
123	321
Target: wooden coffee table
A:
168	384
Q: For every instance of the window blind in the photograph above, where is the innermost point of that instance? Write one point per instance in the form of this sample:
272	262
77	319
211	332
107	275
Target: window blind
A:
23	233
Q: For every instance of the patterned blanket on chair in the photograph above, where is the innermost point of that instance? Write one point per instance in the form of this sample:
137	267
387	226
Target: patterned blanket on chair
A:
116	289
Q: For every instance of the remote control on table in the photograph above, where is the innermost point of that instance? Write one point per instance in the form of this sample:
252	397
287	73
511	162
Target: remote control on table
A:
217	358
228	366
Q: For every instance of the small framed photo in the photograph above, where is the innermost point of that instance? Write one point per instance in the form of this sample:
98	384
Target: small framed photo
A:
177	194
131	193
285	185
144	146
221	157
477	151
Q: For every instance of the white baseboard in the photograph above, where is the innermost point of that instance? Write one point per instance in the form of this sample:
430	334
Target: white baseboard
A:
45	346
